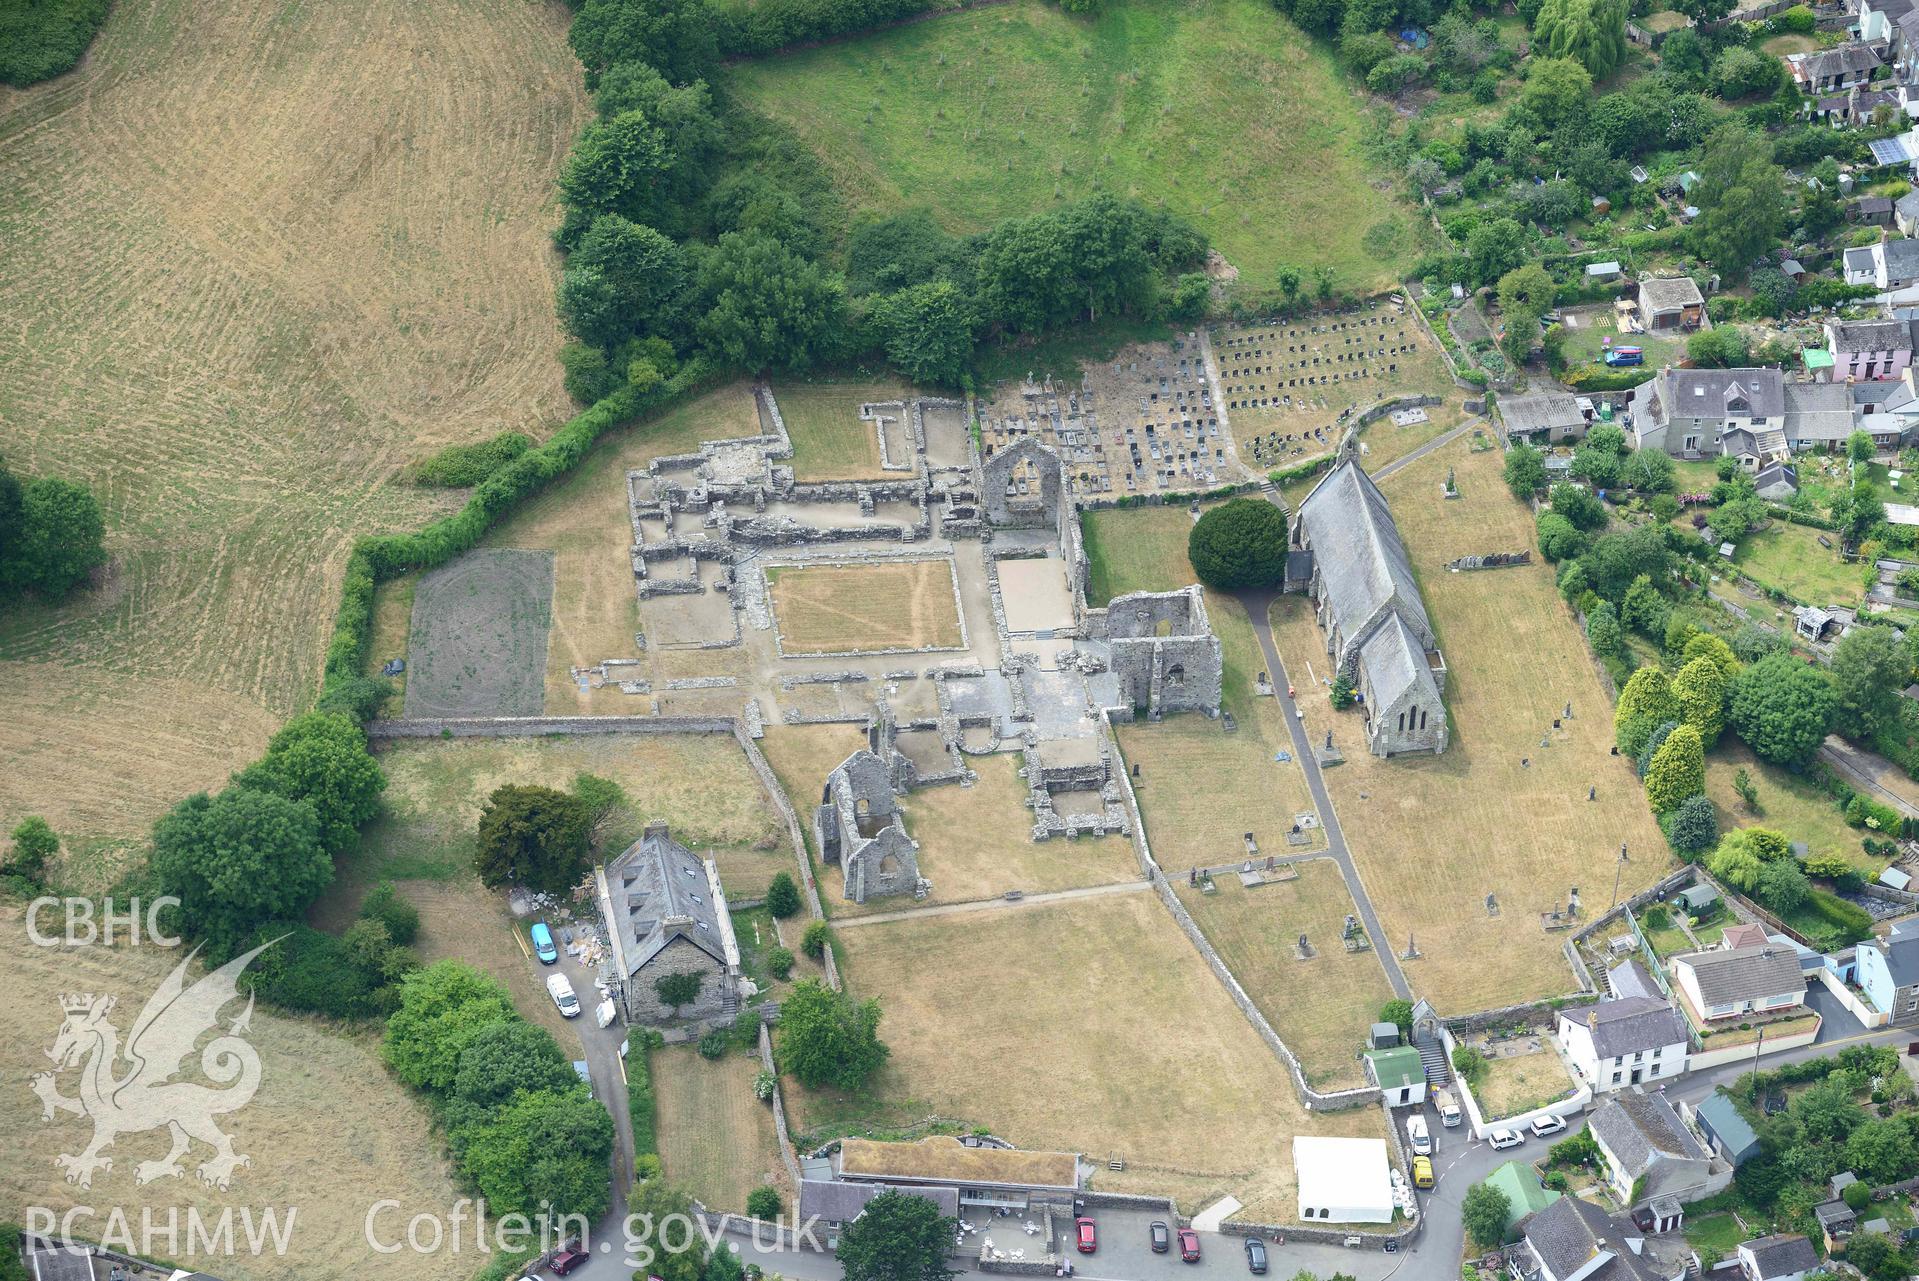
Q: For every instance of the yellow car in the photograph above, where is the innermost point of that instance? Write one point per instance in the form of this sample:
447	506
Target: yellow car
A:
1422	1172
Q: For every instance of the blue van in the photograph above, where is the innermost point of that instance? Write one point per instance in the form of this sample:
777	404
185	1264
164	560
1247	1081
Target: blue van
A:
543	944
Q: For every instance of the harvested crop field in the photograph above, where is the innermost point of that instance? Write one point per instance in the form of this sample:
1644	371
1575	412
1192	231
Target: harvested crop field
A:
716	1139
700	784
866	609
1497	812
1198	1113
257	259
330	1131
477	645
1321	1007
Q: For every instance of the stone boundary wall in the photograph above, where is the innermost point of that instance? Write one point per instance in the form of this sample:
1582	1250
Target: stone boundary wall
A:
779	1112
1312	1099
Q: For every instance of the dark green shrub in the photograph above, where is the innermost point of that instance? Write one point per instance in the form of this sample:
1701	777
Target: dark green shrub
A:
385	904
779	962
459	466
782	896
818	937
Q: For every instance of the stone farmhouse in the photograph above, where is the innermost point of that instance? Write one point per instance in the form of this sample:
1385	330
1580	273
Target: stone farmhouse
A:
1368	604
666	914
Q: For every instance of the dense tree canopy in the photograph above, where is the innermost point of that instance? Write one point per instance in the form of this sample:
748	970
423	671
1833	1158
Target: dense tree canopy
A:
1592	32
1239	544
928	331
321	758
51	534
1782	708
238	859
504	1059
897	1238
546	1148
768	308
443	1010
533	836
1869	668
825	1038
1678	770
1742	200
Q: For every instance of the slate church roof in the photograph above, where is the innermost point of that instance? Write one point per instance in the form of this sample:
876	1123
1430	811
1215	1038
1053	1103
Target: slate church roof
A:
1361	559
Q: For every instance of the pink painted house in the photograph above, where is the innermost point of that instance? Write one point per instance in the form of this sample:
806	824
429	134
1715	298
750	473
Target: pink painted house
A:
1869	350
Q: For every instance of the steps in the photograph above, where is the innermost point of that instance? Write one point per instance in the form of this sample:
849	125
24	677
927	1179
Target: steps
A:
1433	1055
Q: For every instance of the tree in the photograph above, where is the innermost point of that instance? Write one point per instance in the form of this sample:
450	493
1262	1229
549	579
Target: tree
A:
827	1039
1239	544
679	37
1783	886
1678	770
1621	556
898	1237
622	166
384	904
1701	688
1580	506
1469	1061
321	758
543	1152
1558	538
1343	694
1591	31
1721	347
1742	198
237	860
1782	708
1288	279
1525	471
1739	72
1495	247
1644	704
1650	471
1704	12
1484	1210
1882	1152
816	939
1692	828
443	1008
1556	89
1400	1015
60	537
782	896
1706	645
675	990
33	844
1192	294
1859	447
765	1203
533	836
928	331
1644	609
508	1058
622	279
1880	1260
1602	630
1869	668
766	307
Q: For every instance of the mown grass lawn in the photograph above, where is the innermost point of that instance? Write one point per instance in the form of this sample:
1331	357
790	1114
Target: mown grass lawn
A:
1790	558
1220	110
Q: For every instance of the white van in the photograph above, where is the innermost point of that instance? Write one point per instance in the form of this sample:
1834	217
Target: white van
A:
1416	1131
1448	1108
561	991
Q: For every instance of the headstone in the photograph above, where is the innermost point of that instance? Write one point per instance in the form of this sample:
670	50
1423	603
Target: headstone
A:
1592	793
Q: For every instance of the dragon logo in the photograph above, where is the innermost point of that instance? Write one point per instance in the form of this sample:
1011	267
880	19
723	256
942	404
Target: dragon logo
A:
132	1091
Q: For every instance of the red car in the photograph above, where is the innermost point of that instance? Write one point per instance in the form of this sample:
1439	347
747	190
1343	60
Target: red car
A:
1188	1246
567	1260
1088	1235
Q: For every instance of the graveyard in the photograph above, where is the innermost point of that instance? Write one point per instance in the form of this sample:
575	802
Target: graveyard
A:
1504	810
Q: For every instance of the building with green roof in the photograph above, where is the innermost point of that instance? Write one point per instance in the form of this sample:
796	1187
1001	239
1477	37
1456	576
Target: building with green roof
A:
1524	1192
1399	1073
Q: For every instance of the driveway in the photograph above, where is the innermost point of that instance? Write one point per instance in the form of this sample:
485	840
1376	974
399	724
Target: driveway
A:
1836	1022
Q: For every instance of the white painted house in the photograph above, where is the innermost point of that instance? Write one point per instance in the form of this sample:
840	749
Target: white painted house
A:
1777	1258
1621	1043
1739	982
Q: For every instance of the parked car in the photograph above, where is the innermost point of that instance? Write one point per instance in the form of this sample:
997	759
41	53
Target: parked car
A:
1502	1139
1188	1246
1422	1172
1162	1237
543	943
567	1260
561	990
1544	1125
1087	1235
1418	1135
1256	1256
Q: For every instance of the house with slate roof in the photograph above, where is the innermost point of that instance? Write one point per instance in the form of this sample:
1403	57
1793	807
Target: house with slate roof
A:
1575	1240
1624	1042
1686	412
1889	264
666	914
1777	1258
1368	604
835	1204
1648	1150
1734	983
1834	70
1889	973
1865	350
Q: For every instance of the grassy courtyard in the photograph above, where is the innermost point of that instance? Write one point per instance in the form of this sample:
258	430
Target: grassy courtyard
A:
1518	1083
1497	812
823	422
841	609
1165	1073
1321	1007
717	1140
1220	110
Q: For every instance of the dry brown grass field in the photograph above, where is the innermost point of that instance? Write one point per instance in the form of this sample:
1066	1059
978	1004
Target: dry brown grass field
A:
834	609
1434	835
1518	1083
329	1130
823	422
1105	994
700	784
258	257
716	1139
1320	1007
